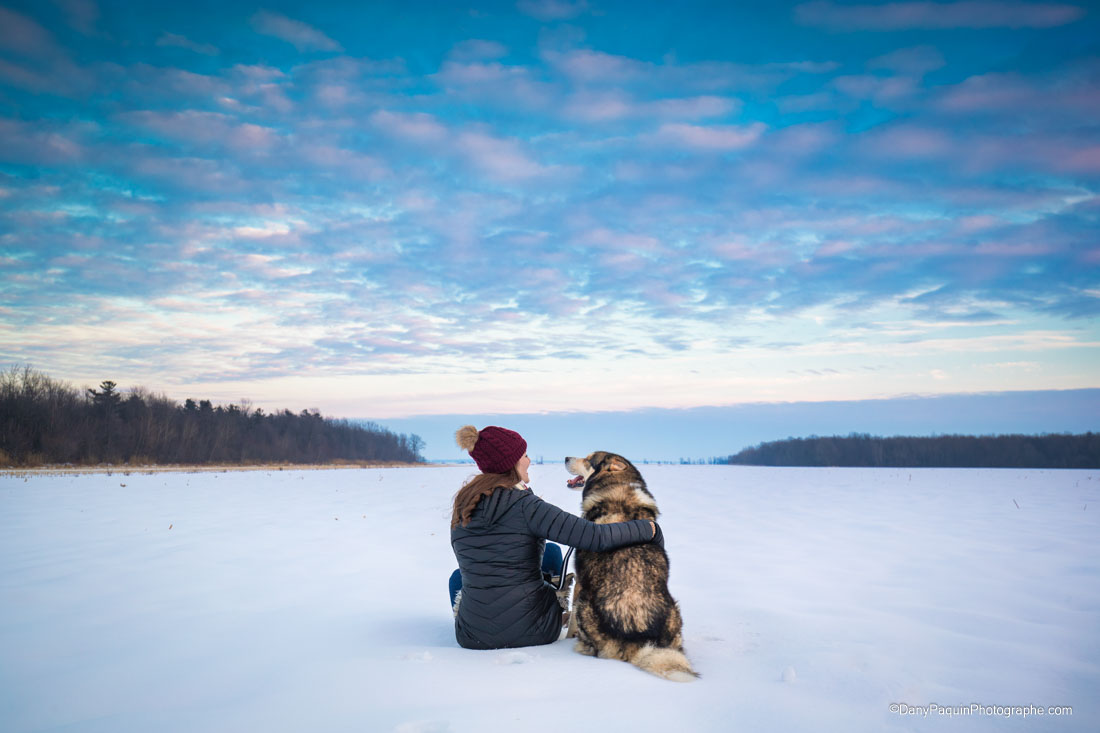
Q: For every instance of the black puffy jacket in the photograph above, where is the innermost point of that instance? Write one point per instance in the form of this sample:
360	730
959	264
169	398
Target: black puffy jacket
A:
505	602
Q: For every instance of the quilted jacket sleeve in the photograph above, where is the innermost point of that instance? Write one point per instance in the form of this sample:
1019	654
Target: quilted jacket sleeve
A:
548	521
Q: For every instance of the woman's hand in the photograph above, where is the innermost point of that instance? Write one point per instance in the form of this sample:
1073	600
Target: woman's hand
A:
653	528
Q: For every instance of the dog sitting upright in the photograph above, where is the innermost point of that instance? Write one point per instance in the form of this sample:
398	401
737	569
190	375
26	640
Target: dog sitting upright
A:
621	606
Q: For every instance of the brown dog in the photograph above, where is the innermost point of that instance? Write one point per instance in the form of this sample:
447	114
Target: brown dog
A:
621	606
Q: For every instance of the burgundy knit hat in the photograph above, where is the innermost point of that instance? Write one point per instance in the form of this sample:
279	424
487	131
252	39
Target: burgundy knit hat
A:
495	450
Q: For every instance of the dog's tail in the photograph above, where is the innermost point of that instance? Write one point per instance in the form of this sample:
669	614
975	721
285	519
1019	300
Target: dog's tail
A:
665	662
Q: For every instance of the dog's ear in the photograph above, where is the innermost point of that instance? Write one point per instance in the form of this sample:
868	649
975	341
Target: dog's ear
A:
616	464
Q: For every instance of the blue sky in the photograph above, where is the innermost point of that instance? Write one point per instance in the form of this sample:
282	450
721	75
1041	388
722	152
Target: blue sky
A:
387	210
660	434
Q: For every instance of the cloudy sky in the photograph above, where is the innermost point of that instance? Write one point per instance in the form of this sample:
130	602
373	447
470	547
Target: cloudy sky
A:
391	209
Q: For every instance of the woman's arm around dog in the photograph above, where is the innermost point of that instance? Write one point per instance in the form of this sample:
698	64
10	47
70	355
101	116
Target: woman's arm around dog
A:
546	520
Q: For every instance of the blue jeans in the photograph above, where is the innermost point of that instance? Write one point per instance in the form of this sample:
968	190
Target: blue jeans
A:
551	565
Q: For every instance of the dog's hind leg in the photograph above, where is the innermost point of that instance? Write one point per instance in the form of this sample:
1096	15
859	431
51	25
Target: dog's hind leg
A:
671	633
584	644
584	623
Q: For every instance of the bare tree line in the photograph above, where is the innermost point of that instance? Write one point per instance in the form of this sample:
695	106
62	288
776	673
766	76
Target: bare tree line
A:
44	421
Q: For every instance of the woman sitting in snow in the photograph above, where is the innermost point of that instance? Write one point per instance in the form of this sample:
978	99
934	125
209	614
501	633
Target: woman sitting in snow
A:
498	529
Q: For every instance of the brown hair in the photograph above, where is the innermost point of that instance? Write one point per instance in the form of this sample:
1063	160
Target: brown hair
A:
477	488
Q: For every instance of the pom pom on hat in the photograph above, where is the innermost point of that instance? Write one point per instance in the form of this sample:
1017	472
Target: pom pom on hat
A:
494	449
466	437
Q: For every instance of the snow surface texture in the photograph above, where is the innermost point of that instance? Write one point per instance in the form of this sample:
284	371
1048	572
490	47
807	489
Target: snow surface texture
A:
317	601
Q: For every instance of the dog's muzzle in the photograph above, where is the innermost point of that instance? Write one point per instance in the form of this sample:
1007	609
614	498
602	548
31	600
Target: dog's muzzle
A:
580	469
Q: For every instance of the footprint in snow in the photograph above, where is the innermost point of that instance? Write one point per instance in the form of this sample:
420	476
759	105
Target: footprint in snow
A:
514	658
418	657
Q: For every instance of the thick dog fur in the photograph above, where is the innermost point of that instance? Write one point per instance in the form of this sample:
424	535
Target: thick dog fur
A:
621	605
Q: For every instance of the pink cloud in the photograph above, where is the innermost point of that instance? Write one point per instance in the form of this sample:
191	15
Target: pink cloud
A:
1074	92
455	73
917	60
499	158
718	138
39	65
835	247
476	49
807	102
623	262
583	65
966	14
609	238
341	159
499	84
257	74
1064	155
177	41
196	174
739	249
417	127
1078	158
25	143
303	37
158	82
603	105
853	183
990	92
1015	249
334	95
591	106
877	88
81	15
205	128
693	108
549	10
908	142
978	223
24	78
807	139
23	36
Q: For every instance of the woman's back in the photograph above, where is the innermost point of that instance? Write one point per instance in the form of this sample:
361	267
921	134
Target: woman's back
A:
504	601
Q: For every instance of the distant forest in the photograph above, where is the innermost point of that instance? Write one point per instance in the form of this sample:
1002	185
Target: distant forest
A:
44	421
944	451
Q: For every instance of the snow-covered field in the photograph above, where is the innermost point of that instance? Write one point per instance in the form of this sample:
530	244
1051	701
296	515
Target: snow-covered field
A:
813	599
